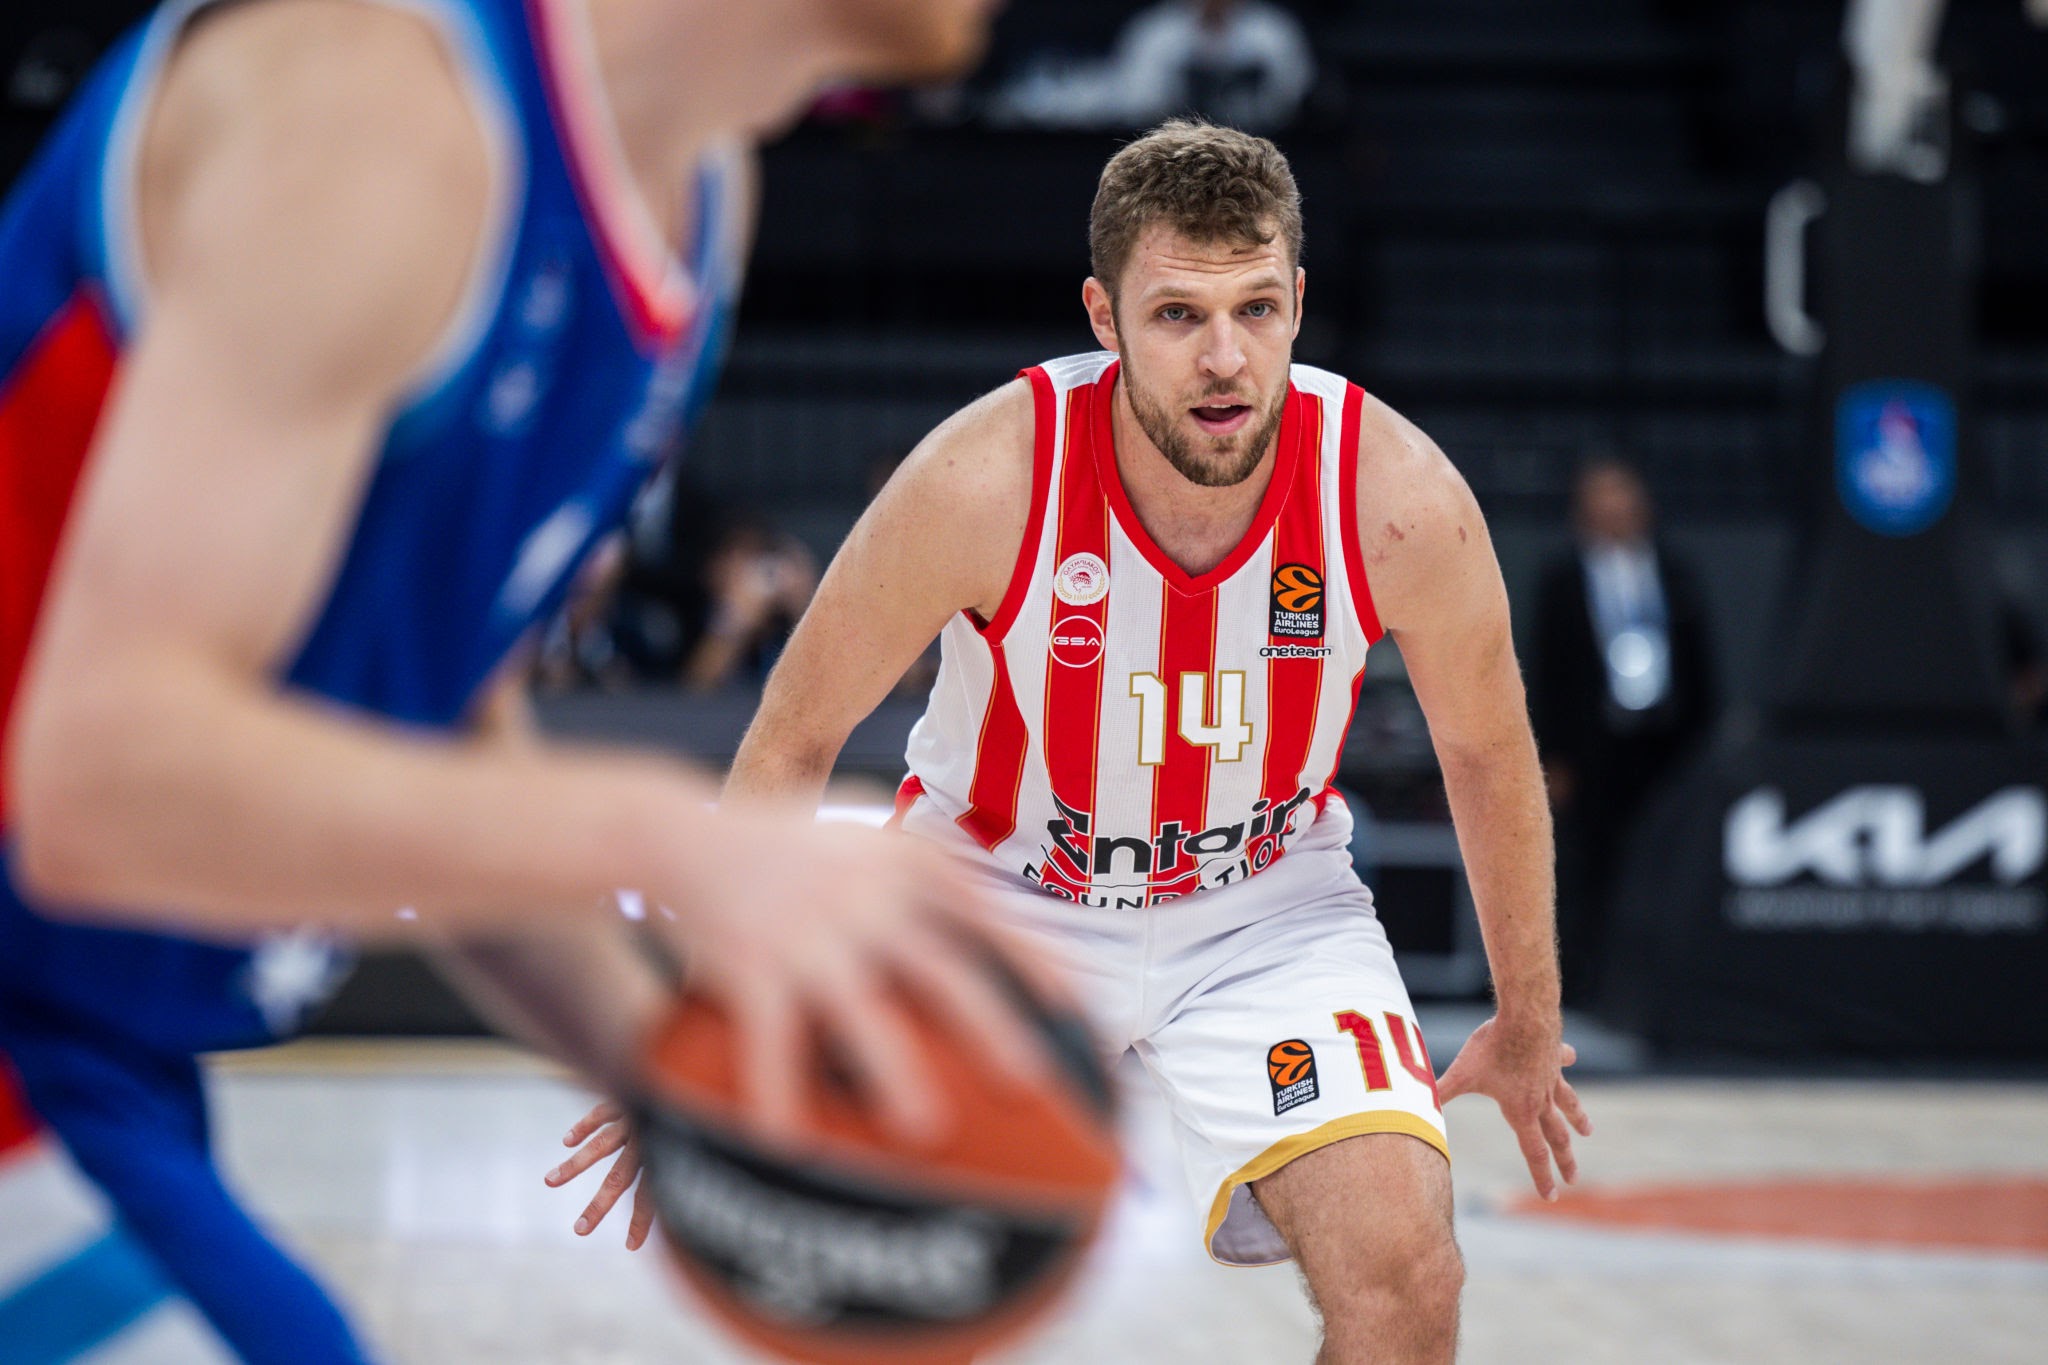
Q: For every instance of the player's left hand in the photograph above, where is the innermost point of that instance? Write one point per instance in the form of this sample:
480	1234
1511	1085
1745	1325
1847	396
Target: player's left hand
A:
602	1131
1521	1068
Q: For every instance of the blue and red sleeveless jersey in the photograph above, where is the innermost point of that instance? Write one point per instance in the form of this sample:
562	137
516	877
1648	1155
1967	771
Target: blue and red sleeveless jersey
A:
581	349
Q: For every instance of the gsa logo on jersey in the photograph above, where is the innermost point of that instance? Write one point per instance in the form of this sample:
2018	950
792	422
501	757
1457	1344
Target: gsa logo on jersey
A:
1895	455
1076	642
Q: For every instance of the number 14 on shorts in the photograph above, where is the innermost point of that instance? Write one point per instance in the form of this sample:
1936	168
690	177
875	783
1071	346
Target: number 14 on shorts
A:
1291	1064
1408	1047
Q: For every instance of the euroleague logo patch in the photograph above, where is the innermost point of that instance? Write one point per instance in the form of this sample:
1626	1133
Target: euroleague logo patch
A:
1081	580
1076	642
1297	602
1291	1070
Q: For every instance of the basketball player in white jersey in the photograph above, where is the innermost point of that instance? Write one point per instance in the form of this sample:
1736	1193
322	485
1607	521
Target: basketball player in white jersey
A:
1156	572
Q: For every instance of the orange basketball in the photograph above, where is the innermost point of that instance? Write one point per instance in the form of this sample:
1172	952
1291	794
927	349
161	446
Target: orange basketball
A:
1288	1062
855	1248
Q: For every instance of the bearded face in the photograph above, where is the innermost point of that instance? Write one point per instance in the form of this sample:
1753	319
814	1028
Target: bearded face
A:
1206	334
1230	432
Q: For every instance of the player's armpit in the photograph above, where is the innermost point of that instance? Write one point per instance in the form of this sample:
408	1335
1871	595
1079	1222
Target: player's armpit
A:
941	538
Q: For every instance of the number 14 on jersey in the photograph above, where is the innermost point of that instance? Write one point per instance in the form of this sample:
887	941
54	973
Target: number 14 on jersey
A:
1227	732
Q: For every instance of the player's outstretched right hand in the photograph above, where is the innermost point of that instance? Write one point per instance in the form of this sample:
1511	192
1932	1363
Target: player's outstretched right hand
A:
816	933
601	1132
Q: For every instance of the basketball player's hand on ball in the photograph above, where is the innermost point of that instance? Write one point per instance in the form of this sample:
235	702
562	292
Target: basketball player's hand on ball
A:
603	1131
818	936
1521	1068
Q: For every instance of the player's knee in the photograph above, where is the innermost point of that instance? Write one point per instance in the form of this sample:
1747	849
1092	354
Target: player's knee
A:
1415	1280
1435	1280
1427	1275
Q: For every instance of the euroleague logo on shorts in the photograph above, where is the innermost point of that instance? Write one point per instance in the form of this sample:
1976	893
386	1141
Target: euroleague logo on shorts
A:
1298	602
1291	1070
1076	641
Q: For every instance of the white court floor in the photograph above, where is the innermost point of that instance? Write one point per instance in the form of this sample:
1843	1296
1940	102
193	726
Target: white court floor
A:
410	1176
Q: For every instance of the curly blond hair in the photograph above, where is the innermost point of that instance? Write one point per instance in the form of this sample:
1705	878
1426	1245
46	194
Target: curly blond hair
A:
1207	183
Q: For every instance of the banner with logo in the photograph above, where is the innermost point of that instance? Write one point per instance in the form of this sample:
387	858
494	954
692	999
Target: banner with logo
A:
1893	614
1875	896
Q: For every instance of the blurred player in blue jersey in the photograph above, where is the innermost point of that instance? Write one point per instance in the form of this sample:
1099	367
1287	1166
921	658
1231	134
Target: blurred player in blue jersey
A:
334	335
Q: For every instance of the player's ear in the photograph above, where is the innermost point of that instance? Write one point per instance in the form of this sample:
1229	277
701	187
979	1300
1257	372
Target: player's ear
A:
1101	313
1300	291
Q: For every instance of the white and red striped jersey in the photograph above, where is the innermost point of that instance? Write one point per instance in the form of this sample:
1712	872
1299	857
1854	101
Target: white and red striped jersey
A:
1122	732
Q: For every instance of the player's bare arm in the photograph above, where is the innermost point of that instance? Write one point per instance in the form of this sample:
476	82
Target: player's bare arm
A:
941	538
308	234
1438	590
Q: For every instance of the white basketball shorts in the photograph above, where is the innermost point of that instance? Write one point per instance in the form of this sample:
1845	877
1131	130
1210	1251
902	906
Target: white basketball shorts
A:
1270	1014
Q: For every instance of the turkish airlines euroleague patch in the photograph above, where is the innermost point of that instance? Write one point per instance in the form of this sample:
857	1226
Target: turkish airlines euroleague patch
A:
1298	602
1291	1068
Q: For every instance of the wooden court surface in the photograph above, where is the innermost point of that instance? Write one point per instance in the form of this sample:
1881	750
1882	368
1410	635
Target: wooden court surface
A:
1718	1223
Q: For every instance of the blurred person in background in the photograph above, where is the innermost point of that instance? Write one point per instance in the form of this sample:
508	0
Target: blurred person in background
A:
1621	687
2026	669
758	581
697	593
578	648
1245	63
648	614
1242	62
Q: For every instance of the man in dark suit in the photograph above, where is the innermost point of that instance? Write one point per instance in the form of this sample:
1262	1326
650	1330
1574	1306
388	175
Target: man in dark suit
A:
1622	686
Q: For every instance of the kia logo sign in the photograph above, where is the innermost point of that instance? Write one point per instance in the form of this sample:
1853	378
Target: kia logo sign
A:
1877	836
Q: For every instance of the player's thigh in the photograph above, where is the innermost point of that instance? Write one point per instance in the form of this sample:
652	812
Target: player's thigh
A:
1370	1215
1292	1033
